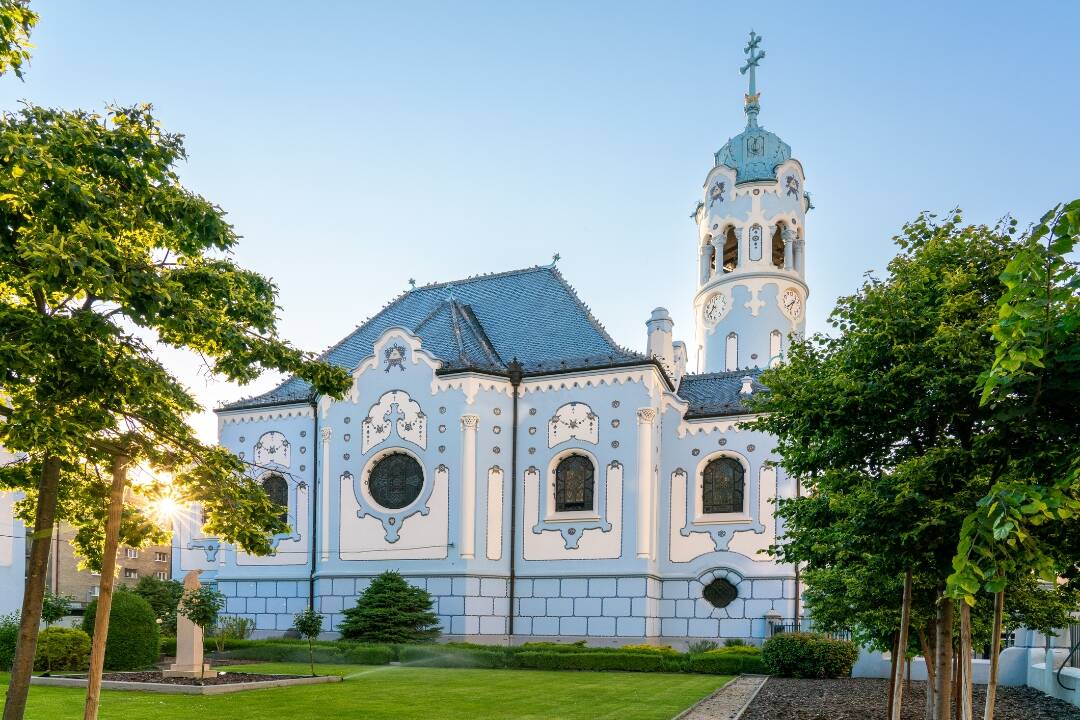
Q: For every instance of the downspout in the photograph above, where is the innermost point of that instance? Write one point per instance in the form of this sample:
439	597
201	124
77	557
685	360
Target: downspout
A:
798	595
314	506
515	369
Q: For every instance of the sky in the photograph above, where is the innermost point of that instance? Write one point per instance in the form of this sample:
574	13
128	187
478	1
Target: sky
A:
357	145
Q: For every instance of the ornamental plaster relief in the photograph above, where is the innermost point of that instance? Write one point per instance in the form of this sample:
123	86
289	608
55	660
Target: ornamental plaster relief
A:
573	420
494	513
395	352
683	548
362	536
546	541
272	448
394	411
276	413
752	543
471	385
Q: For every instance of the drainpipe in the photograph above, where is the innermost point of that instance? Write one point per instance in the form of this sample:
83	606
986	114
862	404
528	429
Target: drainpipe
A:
314	505
515	369
798	598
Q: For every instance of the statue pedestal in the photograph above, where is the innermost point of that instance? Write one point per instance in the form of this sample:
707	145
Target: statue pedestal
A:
189	642
176	670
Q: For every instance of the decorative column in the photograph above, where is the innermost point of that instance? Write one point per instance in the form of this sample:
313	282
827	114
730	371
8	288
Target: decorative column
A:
324	512
706	262
469	423
789	248
645	418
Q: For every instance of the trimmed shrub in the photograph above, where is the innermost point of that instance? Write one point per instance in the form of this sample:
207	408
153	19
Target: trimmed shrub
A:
718	662
663	649
737	650
61	648
133	638
441	656
808	655
391	611
324	652
604	660
9	636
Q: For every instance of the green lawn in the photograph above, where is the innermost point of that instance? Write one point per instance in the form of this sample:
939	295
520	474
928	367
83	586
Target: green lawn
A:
405	692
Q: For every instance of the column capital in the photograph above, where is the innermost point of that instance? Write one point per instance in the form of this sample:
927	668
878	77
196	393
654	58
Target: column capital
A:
645	416
327	433
470	421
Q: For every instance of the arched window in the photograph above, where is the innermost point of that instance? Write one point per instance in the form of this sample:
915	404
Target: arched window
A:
277	489
731	352
731	250
574	484
396	481
774	347
778	246
722	486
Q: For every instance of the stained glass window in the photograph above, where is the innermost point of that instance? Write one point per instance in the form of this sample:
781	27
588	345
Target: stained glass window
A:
396	481
720	593
722	489
277	489
574	484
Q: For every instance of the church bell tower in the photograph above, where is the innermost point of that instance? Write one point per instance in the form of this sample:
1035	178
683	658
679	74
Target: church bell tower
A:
751	236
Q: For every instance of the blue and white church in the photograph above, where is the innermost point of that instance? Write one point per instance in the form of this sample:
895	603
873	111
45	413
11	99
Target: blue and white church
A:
499	449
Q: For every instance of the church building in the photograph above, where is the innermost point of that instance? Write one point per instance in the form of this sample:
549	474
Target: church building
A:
499	449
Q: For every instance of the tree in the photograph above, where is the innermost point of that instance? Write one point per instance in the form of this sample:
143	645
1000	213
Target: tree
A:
391	610
308	625
16	22
893	446
202	607
163	596
102	251
54	607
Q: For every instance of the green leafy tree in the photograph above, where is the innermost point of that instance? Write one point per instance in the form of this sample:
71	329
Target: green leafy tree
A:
131	637
54	607
17	20
308	625
163	596
391	610
101	247
202	606
892	445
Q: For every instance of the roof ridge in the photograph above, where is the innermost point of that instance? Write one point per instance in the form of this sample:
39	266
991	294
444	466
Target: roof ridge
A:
477	328
597	325
476	278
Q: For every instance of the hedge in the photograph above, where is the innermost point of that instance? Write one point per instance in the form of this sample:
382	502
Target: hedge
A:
610	660
62	648
9	636
808	655
439	656
341	653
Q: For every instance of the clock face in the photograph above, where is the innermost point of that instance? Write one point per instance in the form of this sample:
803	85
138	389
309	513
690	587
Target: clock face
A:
792	303
715	308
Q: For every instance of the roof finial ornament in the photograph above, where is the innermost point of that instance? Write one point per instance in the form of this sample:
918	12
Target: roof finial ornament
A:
412	283
753	57
555	258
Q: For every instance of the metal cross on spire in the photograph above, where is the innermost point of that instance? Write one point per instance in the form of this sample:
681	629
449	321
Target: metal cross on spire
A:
753	57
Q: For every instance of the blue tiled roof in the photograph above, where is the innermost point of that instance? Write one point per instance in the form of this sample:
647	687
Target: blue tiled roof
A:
481	323
718	394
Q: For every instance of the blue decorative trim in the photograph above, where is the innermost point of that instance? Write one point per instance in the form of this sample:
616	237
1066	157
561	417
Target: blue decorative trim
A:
210	546
721	533
572	529
392	520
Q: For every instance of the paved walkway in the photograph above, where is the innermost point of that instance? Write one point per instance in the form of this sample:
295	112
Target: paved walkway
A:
728	702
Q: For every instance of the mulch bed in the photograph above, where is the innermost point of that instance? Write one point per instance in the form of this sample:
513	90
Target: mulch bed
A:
864	699
228	678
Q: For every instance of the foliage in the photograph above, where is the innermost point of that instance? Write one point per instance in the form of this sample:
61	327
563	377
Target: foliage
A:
663	649
881	424
702	646
9	635
736	650
1029	517
163	596
54	607
16	22
132	642
61	648
350	653
808	655
733	642
391	610
201	606
308	624
229	627
723	663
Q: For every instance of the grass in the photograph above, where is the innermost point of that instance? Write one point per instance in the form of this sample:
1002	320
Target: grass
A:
405	692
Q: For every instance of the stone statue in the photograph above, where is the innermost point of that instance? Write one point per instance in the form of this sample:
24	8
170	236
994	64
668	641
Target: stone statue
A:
189	641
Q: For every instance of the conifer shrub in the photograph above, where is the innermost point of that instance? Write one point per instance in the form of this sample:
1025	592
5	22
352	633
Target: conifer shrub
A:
133	640
391	610
61	649
808	655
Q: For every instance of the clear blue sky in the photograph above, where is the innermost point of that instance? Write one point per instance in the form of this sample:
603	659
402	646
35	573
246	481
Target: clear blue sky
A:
357	145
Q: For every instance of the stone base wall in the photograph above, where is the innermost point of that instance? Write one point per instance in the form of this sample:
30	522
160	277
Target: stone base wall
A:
473	607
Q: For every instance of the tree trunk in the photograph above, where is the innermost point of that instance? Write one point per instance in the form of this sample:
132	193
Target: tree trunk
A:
108	577
945	660
966	709
901	651
958	678
995	651
926	638
37	568
892	673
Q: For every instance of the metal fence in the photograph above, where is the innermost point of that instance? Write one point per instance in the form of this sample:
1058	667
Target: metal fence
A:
1074	645
790	625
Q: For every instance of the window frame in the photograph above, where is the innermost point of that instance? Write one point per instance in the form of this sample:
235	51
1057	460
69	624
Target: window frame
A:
554	514
739	517
286	509
369	468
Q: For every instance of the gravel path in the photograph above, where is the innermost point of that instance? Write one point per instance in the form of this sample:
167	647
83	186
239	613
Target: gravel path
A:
864	699
728	701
